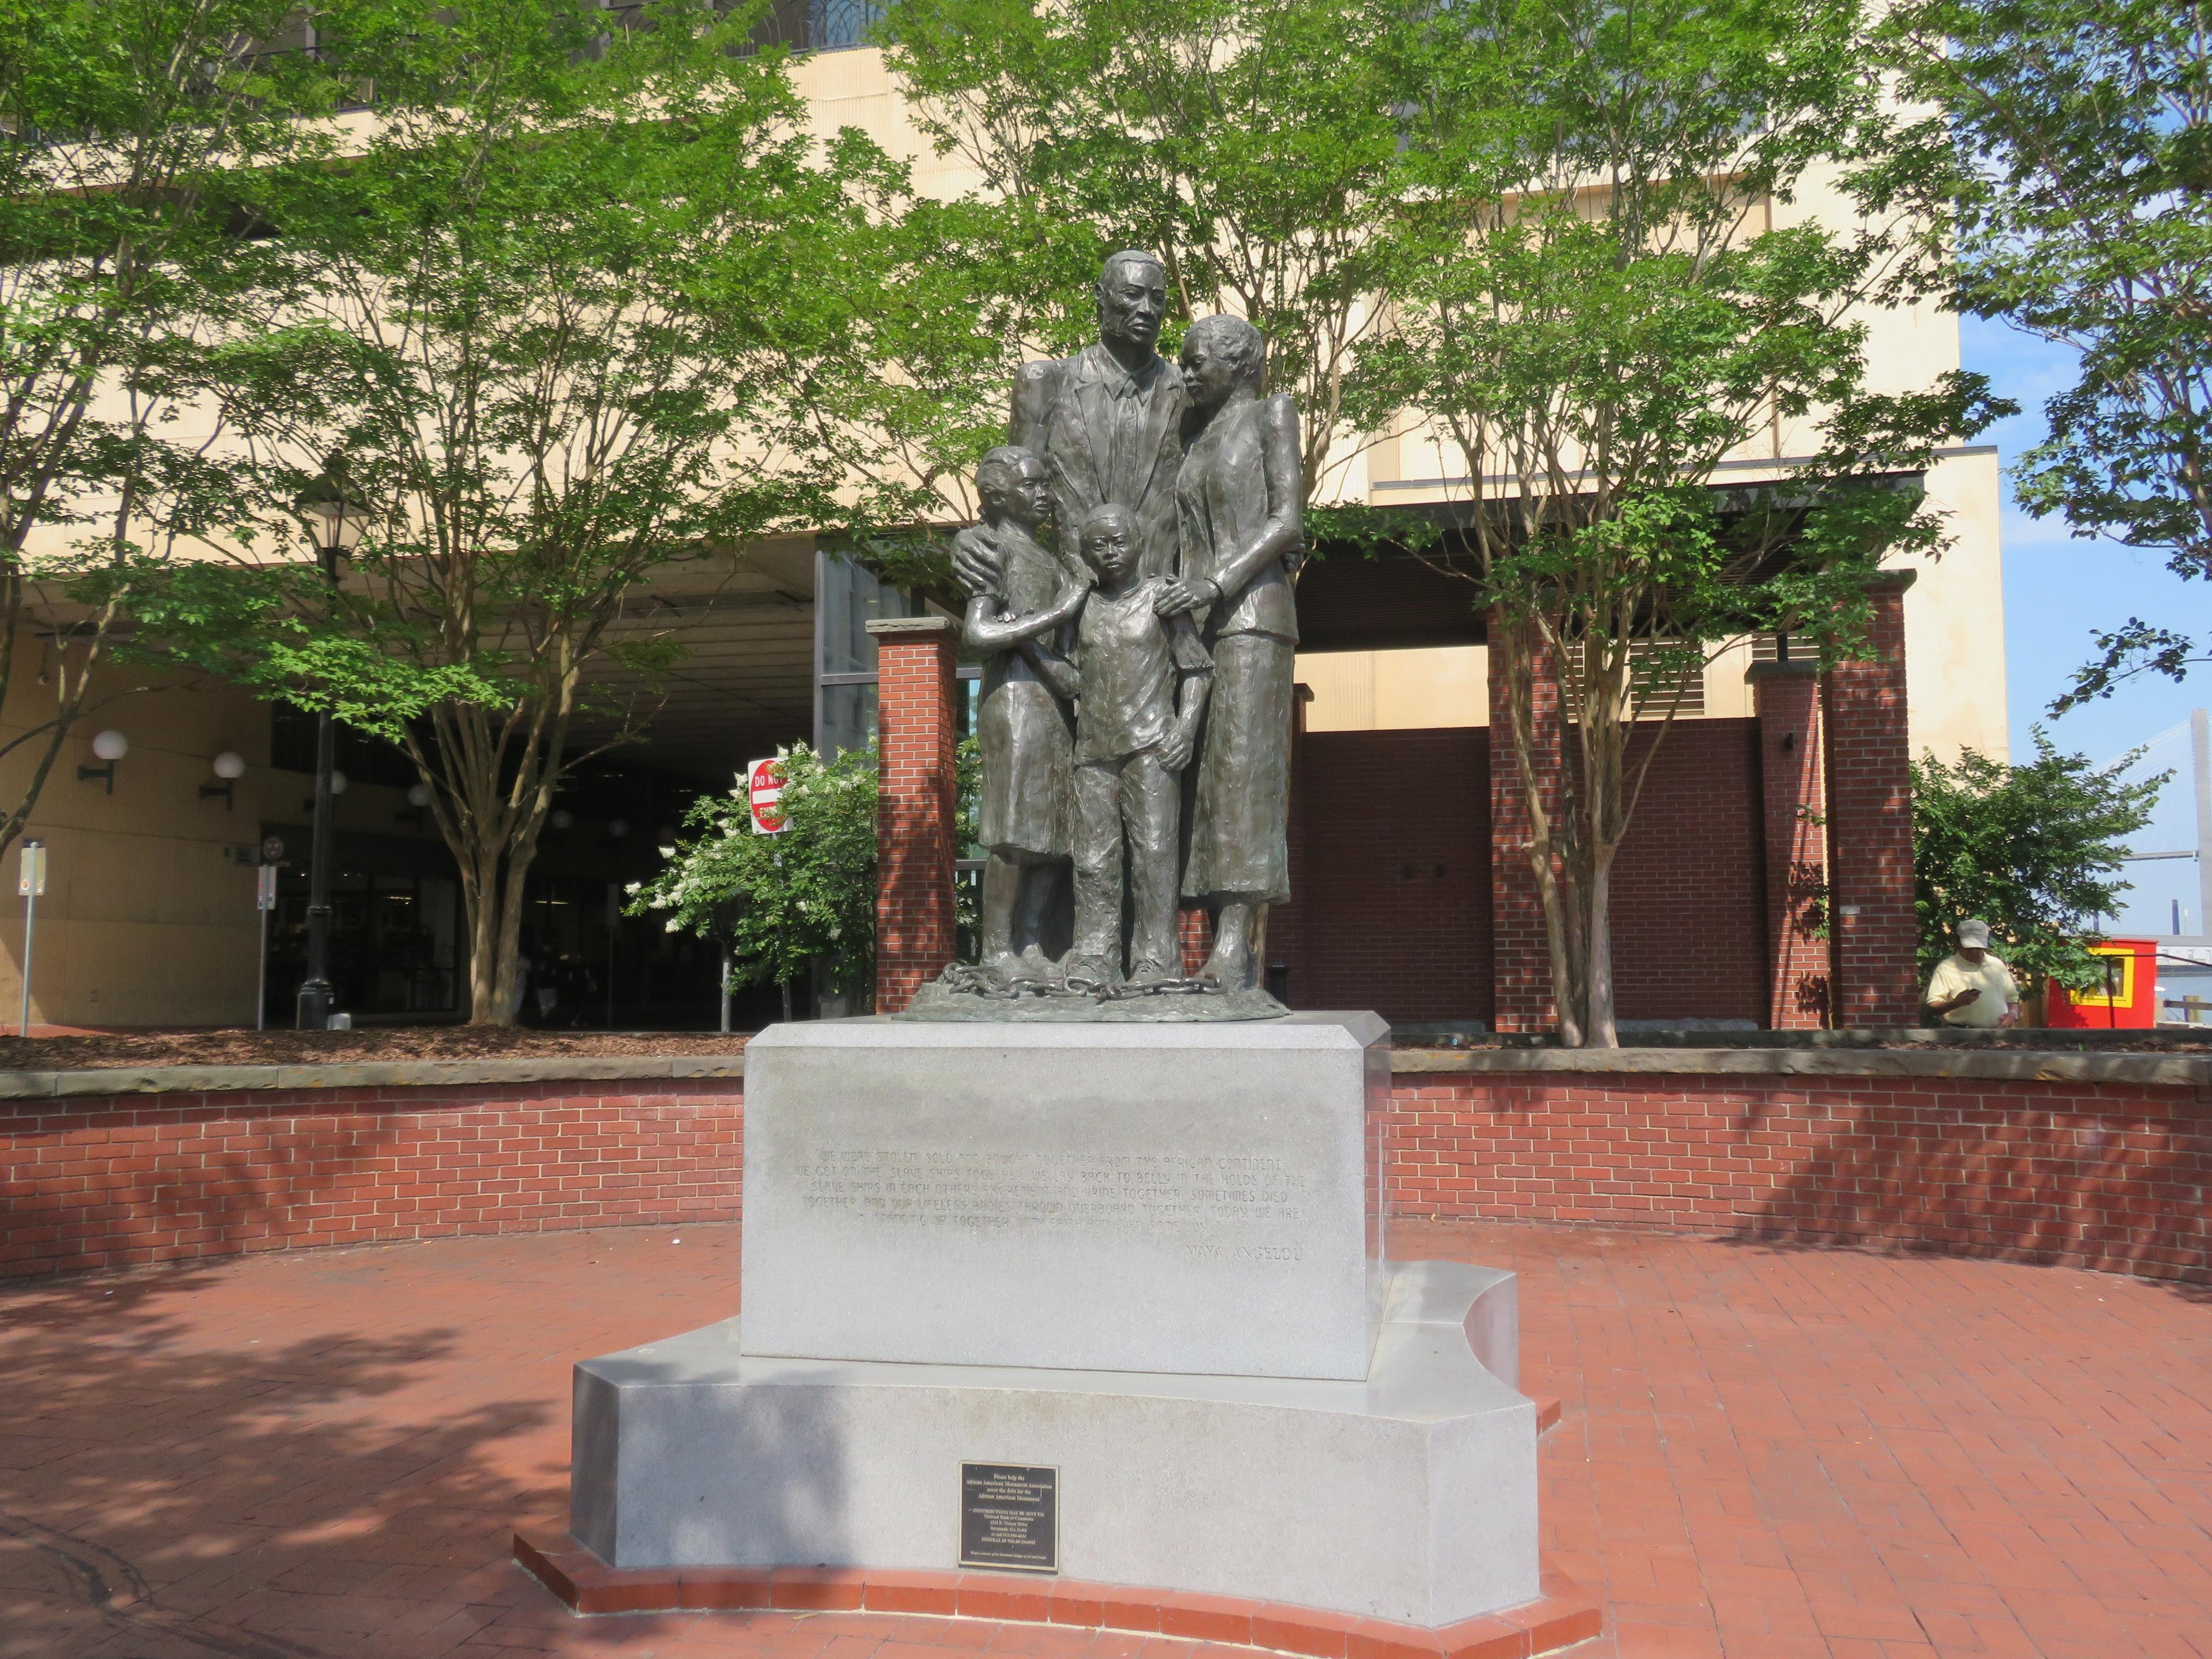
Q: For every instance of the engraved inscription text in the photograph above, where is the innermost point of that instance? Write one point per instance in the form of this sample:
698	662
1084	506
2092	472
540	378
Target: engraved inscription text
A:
1164	1193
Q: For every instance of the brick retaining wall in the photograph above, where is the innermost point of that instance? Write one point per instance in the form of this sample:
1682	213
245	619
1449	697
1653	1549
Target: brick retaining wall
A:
2108	1175
2114	1176
130	1180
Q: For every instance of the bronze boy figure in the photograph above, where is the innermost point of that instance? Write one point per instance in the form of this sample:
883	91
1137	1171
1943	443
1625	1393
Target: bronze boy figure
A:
1016	624
1142	687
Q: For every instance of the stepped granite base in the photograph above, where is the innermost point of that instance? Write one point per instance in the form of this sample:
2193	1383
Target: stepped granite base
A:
1408	1497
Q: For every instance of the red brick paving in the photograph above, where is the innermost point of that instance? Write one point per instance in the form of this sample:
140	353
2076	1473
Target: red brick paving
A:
1766	1453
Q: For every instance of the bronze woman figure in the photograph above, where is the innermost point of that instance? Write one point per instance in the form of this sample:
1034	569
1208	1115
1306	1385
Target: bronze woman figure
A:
1239	500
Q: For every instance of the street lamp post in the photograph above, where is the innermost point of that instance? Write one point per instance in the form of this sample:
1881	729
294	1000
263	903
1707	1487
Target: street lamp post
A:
336	518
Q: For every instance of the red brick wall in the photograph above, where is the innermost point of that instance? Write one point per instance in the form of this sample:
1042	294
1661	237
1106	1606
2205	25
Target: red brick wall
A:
2102	1175
1870	824
136	1179
915	788
1689	905
1390	900
2097	1175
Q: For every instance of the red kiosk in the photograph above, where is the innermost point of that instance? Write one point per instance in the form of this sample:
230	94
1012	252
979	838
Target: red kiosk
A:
2130	998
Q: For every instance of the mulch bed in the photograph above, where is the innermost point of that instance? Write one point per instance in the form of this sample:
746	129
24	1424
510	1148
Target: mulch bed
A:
383	1044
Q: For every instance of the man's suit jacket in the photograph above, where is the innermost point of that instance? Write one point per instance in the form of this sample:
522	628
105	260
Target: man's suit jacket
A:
1064	411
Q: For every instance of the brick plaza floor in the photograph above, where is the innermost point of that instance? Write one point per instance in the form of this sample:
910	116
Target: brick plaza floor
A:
1765	1453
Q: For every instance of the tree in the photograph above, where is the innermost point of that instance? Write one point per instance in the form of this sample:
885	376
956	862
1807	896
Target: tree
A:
2032	850
801	900
783	904
1600	295
2075	155
1250	144
587	299
124	127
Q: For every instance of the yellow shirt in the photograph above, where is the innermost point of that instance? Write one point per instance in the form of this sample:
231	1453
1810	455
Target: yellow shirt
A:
1990	976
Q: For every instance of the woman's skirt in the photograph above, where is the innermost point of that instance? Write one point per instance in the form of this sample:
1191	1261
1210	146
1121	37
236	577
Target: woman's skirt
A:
1239	846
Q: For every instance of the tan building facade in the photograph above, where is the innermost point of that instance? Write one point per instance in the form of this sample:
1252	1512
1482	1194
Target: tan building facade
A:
149	916
1954	613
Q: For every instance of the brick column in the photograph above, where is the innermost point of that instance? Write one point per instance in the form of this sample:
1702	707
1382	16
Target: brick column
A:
915	797
1521	960
1788	698
1195	935
1870	823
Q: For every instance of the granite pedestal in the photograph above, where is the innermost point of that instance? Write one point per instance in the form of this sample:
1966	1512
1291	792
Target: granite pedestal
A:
1148	1258
1126	1198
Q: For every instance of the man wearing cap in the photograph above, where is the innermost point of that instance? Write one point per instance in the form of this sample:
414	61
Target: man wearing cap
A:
1970	986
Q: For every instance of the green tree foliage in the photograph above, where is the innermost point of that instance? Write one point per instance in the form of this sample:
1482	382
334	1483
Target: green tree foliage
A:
1250	144
782	902
2034	850
2075	152
804	898
125	126
586	301
1603	289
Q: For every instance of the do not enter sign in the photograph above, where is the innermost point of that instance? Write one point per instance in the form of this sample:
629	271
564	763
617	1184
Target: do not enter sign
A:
764	794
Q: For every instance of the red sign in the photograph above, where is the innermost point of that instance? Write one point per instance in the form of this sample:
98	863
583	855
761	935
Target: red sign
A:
764	794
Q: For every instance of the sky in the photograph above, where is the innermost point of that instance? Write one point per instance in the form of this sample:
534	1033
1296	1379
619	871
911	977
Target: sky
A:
2059	590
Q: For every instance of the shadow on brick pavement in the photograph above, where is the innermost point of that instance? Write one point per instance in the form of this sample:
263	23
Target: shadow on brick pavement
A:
1765	1453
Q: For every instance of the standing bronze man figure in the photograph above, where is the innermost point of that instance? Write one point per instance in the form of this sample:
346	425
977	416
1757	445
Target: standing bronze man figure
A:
1108	422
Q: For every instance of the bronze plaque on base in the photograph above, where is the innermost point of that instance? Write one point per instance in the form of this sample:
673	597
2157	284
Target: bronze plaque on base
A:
1010	1517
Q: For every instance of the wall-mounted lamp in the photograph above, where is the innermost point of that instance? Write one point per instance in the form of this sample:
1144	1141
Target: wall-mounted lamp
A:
418	799
337	787
618	828
562	818
110	746
230	768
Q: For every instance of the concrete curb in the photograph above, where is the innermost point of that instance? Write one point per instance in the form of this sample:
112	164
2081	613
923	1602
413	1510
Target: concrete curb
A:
403	1074
2021	1065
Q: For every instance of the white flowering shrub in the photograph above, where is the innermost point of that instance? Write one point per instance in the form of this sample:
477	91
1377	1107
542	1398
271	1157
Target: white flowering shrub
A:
786	902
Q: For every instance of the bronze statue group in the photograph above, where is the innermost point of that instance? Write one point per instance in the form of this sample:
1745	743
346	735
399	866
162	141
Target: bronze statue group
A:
1130	592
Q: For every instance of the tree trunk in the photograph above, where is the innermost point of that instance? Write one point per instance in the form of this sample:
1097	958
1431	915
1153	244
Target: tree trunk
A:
492	894
491	971
519	860
492	831
1599	1029
1549	850
1560	927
